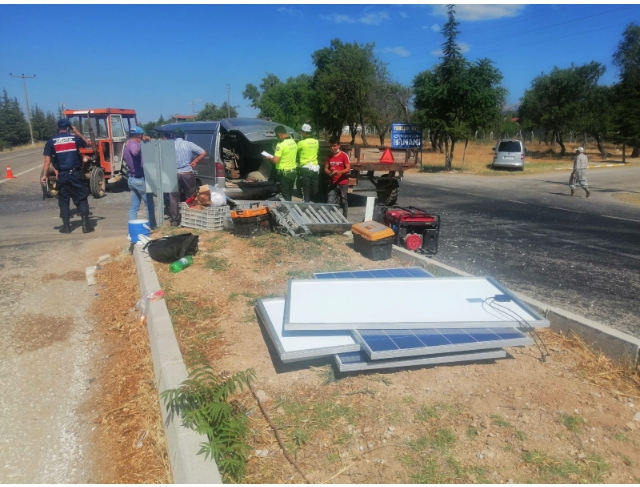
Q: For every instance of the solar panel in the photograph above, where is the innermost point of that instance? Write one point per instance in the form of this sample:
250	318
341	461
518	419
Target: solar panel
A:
375	273
356	361
295	346
403	303
382	344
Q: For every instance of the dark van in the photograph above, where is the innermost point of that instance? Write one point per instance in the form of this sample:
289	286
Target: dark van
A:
234	161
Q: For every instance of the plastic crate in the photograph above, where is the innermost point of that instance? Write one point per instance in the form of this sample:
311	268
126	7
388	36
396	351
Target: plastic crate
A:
210	219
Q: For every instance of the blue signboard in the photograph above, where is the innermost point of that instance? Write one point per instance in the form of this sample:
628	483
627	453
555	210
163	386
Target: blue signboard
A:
406	135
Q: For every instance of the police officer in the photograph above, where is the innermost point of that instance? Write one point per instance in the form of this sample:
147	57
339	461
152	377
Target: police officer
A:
62	152
285	161
308	168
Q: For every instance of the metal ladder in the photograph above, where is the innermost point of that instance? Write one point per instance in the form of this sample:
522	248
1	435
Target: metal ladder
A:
307	218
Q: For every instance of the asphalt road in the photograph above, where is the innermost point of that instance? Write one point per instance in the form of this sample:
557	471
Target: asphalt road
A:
579	254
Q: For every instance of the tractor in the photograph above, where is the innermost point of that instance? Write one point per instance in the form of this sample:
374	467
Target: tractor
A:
102	163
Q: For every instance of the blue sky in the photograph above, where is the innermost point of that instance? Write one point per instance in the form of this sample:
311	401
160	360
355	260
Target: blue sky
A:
159	59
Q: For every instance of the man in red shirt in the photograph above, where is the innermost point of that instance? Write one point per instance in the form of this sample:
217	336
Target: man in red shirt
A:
338	167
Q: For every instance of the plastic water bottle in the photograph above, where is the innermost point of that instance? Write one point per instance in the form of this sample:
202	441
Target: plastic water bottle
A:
180	264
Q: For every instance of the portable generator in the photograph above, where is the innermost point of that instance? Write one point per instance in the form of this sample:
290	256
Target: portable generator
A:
414	229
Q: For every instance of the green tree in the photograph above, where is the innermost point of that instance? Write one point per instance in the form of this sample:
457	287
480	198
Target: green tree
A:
557	102
456	97
627	91
288	103
43	124
14	129
342	83
212	112
388	103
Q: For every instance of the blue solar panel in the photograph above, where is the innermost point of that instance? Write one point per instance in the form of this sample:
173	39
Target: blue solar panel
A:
373	273
381	344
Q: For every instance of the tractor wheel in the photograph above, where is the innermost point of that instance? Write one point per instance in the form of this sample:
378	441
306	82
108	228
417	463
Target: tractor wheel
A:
97	183
49	189
387	190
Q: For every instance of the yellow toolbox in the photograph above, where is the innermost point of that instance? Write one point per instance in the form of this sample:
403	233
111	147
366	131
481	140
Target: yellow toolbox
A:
372	231
250	212
373	240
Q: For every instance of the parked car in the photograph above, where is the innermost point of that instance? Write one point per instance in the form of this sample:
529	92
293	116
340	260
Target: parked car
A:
234	161
509	153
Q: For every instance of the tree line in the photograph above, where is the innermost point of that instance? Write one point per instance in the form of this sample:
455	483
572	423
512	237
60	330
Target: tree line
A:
454	100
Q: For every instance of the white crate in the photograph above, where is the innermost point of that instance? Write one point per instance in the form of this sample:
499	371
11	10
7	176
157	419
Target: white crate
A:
210	219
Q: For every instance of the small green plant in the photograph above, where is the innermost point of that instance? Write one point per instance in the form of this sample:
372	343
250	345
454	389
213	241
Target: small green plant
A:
298	274
500	421
520	435
216	263
300	437
589	470
202	402
442	440
427	412
182	308
472	432
620	437
333	458
344	437
572	423
327	375
245	294
210	335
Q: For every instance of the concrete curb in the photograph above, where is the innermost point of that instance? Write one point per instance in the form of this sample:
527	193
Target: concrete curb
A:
183	444
618	346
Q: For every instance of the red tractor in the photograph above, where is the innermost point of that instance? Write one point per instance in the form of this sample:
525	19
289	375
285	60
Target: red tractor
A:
102	163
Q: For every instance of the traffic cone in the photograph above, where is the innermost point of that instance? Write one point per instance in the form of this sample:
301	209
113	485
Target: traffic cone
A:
9	173
387	157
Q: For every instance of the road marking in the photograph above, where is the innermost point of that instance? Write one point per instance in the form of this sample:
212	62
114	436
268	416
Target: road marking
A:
565	209
21	173
516	201
618	218
442	189
478	195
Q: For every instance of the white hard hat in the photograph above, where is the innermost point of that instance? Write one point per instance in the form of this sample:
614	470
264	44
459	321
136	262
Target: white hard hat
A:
306	128
579	149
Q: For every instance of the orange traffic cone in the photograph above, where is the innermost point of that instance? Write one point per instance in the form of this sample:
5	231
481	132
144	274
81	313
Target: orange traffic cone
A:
387	157
9	173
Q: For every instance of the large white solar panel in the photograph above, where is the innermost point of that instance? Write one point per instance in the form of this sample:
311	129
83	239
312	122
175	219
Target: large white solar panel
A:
295	346
356	361
404	303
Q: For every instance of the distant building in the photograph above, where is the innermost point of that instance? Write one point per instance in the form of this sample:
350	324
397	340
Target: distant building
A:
183	118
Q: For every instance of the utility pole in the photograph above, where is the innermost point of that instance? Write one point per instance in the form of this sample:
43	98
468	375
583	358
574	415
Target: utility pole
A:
193	110
228	102
26	97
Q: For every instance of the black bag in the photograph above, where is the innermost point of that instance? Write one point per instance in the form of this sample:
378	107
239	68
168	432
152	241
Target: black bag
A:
170	249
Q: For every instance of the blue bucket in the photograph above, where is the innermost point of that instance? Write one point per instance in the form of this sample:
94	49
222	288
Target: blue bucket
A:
137	228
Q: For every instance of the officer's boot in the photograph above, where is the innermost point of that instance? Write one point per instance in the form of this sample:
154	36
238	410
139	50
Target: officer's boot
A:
86	226
588	192
66	226
573	192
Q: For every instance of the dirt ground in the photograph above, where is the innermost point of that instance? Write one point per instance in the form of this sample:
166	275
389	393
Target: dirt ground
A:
570	419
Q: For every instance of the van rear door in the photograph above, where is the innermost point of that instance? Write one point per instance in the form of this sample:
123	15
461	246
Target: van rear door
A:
207	168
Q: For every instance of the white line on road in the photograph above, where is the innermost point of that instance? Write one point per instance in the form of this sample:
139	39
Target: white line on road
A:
478	195
442	189
516	201
618	218
21	173
19	155
565	209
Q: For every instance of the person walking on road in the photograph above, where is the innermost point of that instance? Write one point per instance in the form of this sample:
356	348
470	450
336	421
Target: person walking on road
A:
61	152
132	155
285	161
579	173
308	168
337	167
185	162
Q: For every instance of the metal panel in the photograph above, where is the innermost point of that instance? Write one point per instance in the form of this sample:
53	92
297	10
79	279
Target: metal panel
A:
295	346
383	344
403	303
375	273
305	218
356	361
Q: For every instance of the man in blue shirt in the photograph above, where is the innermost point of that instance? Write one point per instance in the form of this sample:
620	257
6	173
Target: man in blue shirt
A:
61	152
185	162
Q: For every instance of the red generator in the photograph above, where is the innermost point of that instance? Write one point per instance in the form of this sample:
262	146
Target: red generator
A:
415	229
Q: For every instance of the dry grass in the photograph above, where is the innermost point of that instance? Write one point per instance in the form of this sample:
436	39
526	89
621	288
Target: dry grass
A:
632	198
131	441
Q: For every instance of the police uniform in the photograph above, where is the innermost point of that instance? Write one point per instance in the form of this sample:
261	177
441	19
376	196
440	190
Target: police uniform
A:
65	157
286	150
308	168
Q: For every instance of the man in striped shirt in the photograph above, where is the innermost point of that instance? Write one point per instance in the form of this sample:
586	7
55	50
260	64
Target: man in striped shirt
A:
185	162
579	173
